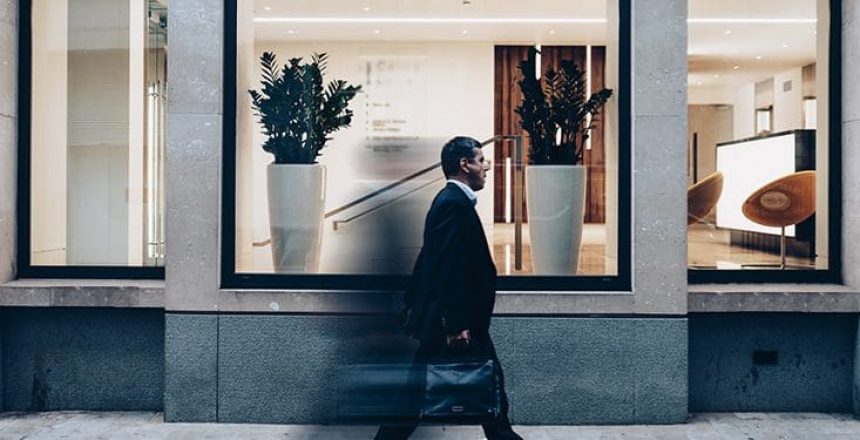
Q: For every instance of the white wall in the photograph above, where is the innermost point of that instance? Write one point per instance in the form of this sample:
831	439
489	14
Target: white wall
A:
98	139
610	139
713	124
788	104
427	93
136	97
710	95
87	162
246	150
744	112
48	132
822	136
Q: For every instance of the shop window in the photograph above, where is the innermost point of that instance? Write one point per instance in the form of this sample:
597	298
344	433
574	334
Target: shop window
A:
763	125
415	74
92	143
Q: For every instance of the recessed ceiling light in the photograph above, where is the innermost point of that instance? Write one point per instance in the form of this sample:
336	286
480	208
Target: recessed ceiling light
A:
552	31
366	8
291	32
465	32
716	75
758	57
698	83
736	67
784	45
268	8
728	32
376	31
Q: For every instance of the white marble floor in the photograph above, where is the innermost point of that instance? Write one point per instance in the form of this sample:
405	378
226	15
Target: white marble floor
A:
148	425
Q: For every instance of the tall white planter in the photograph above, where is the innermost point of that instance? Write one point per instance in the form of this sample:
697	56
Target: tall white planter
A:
296	201
555	195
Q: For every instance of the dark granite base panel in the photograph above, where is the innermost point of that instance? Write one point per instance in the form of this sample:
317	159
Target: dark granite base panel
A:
286	368
283	369
856	374
191	363
82	359
772	362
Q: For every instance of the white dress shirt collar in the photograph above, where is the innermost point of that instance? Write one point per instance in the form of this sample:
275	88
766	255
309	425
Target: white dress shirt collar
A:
469	192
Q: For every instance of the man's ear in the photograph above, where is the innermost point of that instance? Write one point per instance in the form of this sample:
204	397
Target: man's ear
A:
464	165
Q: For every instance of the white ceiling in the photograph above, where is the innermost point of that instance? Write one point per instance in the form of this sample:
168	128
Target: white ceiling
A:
784	38
713	48
516	21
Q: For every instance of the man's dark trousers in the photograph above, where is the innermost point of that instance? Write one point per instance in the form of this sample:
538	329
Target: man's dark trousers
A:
497	429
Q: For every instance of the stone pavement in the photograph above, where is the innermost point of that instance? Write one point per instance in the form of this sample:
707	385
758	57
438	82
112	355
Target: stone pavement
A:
142	425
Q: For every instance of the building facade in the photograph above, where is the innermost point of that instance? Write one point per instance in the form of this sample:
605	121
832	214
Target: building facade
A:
198	332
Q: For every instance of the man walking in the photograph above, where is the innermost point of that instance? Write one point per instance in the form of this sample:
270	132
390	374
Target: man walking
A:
453	286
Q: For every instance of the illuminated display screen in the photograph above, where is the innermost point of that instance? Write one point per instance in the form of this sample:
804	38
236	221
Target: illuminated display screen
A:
746	167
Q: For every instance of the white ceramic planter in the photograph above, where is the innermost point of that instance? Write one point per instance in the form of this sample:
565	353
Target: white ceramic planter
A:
555	197
296	201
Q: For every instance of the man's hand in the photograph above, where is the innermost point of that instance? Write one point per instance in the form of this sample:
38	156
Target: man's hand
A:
460	340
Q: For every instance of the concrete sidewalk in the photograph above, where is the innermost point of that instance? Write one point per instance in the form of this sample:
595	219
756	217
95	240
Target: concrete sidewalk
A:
113	425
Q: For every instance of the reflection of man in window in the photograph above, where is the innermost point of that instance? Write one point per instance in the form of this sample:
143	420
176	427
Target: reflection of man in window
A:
452	291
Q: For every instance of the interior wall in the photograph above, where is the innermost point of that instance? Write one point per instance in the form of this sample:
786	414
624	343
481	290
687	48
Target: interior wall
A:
788	100
611	134
710	95
712	124
743	124
83	107
822	136
809	77
247	77
764	93
49	153
98	150
134	236
99	109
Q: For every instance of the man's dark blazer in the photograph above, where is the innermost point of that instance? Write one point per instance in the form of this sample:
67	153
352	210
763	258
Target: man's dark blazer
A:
453	285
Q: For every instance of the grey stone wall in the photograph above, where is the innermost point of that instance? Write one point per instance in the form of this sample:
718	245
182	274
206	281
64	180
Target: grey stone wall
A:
659	180
850	139
193	157
813	369
82	359
8	135
8	151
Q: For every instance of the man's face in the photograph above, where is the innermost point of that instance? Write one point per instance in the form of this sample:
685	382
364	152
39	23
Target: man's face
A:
476	170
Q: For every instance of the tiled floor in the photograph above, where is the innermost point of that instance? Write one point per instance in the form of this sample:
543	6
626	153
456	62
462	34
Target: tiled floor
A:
104	425
710	247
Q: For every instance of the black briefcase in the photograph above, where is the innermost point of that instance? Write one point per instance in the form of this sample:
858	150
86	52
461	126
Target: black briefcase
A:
461	391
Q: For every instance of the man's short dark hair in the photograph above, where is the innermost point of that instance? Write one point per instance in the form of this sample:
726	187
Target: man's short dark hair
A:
457	148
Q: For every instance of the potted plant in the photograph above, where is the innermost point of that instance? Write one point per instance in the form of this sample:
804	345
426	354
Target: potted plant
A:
298	115
558	116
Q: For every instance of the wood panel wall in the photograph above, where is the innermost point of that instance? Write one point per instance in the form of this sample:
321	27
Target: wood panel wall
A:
508	96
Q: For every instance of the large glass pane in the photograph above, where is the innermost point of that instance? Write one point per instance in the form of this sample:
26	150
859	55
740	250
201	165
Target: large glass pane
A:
427	71
97	132
758	135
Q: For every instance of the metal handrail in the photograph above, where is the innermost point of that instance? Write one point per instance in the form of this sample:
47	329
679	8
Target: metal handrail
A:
393	185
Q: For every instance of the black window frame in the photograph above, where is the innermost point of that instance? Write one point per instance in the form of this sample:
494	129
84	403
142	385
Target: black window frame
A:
833	273
25	269
232	279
